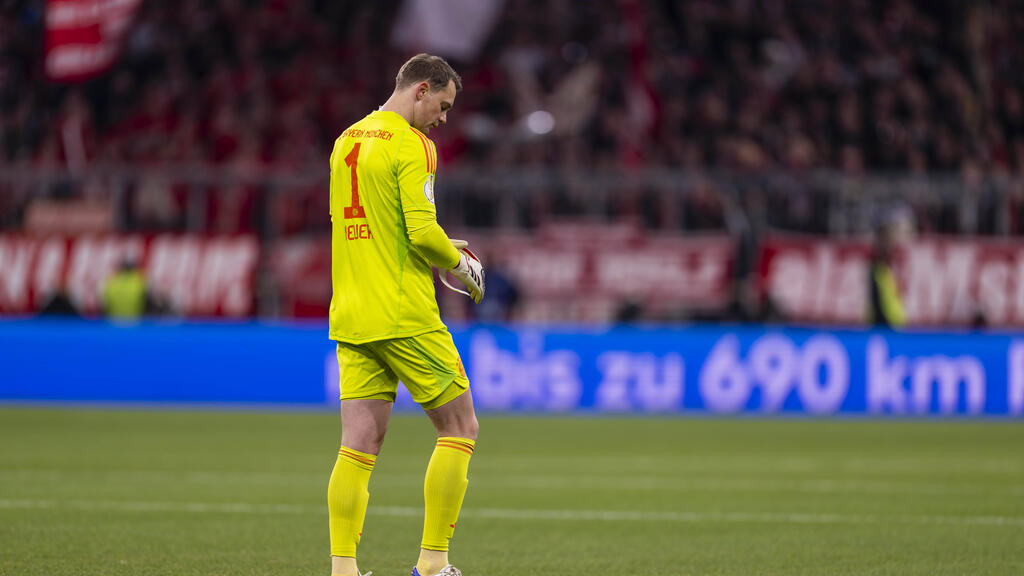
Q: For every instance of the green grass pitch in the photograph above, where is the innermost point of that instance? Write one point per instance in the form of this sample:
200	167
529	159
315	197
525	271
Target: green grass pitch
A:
135	492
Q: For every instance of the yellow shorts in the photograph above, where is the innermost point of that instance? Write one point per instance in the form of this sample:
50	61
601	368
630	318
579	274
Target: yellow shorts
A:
428	365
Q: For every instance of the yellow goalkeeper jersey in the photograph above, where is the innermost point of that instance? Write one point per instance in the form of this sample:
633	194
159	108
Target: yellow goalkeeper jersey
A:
385	235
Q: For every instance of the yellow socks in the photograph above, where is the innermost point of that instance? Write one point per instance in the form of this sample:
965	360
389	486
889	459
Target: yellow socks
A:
347	497
443	491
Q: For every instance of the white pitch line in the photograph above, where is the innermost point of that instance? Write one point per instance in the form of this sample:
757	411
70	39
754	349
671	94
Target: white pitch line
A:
548	482
136	506
515	514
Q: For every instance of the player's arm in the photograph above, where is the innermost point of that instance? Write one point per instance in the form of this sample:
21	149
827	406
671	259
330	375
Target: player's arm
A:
416	183
430	240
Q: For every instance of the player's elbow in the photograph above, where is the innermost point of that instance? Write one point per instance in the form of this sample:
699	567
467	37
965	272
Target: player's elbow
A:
423	242
418	237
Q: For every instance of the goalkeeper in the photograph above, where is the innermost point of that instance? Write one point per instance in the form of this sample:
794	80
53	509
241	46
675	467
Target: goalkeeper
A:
384	315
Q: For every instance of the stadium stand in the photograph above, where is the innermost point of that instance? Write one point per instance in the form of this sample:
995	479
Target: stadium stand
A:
697	116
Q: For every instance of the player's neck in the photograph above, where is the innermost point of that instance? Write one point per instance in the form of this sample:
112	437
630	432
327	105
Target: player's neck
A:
398	104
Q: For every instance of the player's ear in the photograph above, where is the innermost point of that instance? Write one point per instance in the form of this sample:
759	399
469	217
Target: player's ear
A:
422	90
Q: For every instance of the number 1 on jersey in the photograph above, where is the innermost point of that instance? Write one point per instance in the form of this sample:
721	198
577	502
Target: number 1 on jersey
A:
355	210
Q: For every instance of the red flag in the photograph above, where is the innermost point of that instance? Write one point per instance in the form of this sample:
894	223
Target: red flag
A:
83	37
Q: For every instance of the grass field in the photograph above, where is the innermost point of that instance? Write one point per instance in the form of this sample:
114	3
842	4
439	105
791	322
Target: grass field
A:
90	492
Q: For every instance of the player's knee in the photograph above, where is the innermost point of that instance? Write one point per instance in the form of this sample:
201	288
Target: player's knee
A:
460	425
471	428
466	425
367	440
381	430
377	437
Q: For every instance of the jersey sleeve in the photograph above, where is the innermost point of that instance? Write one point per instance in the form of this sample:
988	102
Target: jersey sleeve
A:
330	170
417	162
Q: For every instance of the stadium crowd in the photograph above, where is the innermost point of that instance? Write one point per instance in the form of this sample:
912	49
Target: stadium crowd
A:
746	88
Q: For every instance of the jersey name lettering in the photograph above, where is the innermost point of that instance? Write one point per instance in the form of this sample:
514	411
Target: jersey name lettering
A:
358	232
358	133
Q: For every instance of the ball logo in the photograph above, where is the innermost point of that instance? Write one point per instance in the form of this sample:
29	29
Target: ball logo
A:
428	188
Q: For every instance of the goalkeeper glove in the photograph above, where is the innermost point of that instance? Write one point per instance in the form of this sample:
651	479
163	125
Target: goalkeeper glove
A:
469	271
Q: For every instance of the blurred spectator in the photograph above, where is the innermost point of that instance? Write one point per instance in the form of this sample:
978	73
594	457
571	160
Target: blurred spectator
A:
751	88
124	294
499	304
59	304
885	304
629	311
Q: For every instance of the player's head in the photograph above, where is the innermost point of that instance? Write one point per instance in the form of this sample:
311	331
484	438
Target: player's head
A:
432	84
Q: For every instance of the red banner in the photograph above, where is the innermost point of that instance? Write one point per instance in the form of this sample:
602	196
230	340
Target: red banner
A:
615	262
83	37
563	274
950	281
196	276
